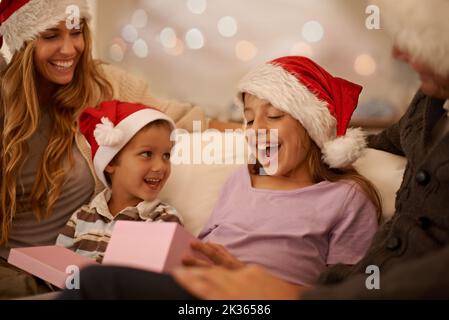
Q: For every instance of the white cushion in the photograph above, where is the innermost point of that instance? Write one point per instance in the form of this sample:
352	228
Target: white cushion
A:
193	189
385	171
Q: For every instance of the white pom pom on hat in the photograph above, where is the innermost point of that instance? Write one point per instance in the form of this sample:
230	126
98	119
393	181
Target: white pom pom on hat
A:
106	134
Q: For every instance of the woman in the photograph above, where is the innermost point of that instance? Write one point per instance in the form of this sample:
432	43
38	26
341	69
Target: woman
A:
45	167
301	207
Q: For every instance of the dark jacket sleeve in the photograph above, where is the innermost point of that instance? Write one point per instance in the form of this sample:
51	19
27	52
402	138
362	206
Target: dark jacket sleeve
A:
423	278
389	140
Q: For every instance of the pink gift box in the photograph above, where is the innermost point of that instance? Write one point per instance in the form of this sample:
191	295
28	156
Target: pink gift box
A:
53	264
157	247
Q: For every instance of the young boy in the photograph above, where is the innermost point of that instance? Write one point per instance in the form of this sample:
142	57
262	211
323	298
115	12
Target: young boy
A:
131	155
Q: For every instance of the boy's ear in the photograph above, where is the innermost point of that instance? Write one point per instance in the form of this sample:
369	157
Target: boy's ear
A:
110	168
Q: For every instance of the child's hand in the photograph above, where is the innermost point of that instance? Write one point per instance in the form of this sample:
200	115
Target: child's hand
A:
217	254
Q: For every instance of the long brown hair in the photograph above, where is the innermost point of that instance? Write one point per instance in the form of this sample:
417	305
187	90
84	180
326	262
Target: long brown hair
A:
20	113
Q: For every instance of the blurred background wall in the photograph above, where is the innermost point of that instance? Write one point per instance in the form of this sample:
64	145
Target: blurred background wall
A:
196	50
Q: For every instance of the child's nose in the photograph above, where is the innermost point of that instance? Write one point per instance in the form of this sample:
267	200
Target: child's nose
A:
258	125
158	164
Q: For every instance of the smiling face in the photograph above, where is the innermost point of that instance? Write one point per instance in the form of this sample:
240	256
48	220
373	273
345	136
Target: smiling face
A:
293	143
141	168
58	52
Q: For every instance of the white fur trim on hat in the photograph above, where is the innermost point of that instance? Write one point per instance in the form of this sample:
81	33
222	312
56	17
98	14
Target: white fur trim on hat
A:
128	127
35	17
344	150
419	27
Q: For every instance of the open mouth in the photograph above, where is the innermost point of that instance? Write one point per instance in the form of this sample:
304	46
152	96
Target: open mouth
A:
153	183
266	153
268	149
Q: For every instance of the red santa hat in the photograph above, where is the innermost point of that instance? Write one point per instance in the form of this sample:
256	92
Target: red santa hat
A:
112	125
24	20
323	104
419	28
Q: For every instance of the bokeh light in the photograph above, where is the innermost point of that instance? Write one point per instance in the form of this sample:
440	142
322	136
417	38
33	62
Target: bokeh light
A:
365	65
312	31
197	6
168	38
140	48
116	53
194	39
302	49
139	18
245	50
227	26
177	50
129	33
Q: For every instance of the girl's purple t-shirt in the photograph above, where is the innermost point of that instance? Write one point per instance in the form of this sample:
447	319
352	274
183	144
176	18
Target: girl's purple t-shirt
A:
293	233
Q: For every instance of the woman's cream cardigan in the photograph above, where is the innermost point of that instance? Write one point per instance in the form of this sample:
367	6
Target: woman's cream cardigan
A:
131	89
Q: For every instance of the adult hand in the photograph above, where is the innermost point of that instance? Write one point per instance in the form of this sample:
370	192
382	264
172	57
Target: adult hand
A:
246	283
216	253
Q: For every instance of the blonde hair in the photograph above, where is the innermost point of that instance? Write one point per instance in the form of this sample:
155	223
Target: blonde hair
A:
20	114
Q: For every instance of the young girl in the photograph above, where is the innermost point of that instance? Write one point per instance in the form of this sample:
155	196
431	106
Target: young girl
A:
312	210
